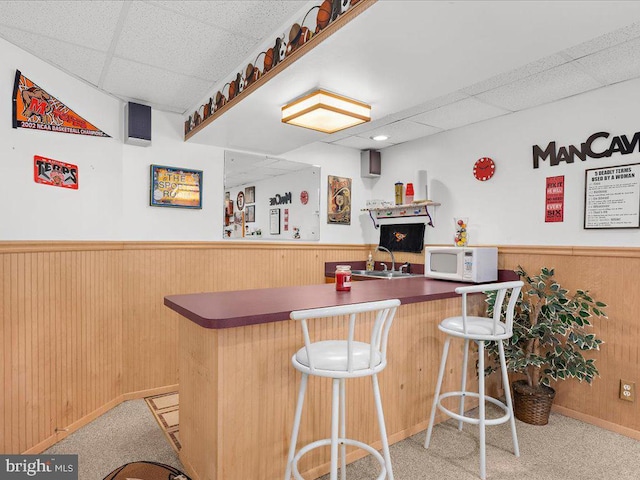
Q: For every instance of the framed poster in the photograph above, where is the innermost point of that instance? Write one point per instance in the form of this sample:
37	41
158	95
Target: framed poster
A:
250	194
339	200
175	187
612	197
274	221
250	213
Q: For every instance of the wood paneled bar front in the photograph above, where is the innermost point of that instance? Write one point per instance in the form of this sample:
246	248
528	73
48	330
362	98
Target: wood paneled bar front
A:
238	390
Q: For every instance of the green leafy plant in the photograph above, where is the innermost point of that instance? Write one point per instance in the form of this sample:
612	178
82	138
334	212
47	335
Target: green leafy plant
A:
550	331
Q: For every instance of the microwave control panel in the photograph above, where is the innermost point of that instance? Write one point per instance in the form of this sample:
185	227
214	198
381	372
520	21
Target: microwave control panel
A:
467	272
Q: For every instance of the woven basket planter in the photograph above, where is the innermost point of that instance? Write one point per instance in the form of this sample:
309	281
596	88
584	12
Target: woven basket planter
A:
532	405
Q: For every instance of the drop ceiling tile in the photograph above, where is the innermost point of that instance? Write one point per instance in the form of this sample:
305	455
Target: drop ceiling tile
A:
532	68
615	64
360	143
76	60
87	23
402	131
460	113
152	85
234	16
548	86
158	37
605	41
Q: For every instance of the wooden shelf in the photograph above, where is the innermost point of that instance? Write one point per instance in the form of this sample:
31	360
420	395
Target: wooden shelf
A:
401	211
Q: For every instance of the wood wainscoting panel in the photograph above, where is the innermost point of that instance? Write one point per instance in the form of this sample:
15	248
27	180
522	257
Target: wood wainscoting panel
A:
611	277
258	388
61	331
84	326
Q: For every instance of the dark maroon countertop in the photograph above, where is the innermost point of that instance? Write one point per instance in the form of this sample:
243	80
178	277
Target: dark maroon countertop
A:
249	307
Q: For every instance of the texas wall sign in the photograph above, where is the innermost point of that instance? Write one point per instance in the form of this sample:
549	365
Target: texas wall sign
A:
597	145
35	109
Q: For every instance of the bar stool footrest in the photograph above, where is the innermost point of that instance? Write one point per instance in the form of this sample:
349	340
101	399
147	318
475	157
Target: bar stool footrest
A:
473	420
346	441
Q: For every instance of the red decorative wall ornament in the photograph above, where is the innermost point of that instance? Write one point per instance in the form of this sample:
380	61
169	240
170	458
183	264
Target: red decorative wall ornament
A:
304	197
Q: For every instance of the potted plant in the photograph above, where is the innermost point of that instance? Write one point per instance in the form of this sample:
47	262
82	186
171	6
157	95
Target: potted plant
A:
549	336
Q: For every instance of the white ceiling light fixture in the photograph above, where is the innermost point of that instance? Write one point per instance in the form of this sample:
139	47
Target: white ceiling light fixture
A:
380	138
325	112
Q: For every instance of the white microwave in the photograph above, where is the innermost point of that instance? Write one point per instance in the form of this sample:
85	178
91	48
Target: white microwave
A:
462	264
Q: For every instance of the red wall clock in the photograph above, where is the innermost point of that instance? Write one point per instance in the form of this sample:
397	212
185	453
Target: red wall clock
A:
484	169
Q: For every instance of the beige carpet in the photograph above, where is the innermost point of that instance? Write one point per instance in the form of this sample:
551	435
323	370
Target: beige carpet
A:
165	410
563	449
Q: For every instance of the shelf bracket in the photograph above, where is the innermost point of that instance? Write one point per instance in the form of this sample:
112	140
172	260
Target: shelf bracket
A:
373	219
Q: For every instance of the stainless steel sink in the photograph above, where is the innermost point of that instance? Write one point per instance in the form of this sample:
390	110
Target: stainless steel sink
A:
383	274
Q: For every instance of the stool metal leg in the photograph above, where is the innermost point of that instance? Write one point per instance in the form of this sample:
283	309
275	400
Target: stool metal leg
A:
335	418
434	406
343	430
383	428
507	394
296	425
481	412
463	387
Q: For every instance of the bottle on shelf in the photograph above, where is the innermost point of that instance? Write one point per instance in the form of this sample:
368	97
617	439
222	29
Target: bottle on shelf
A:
370	263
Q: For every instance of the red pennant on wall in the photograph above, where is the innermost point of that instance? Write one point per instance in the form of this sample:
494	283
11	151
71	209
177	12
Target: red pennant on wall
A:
35	109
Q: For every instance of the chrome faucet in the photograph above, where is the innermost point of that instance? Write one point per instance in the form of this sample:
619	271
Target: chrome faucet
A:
393	260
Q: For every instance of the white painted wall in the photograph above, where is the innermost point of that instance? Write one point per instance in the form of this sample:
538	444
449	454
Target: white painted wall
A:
509	208
112	202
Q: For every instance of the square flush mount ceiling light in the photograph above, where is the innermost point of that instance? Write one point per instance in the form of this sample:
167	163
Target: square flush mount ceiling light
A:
325	112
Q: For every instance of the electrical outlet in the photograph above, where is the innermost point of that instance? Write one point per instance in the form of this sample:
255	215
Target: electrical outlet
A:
627	391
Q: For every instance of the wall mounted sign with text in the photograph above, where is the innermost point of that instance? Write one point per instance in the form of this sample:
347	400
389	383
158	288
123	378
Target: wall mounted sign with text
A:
597	145
47	171
35	109
612	197
554	203
176	187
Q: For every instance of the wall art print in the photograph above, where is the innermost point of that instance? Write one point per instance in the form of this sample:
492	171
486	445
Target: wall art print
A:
48	171
316	19
339	200
175	187
35	109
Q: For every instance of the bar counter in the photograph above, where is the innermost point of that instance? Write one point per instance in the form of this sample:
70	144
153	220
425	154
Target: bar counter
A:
238	388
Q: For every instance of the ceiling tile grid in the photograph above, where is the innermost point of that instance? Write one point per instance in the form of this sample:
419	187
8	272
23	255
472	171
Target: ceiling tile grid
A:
525	71
401	131
146	84
248	19
85	63
548	86
463	112
89	24
605	41
615	64
158	37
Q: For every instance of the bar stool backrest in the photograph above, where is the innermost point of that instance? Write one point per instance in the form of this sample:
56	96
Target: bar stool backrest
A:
501	290
385	313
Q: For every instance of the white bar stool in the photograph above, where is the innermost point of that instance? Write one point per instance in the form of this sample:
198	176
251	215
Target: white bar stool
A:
339	360
480	330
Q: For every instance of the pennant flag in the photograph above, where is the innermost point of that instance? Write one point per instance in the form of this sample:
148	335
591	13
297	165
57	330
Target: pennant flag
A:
35	109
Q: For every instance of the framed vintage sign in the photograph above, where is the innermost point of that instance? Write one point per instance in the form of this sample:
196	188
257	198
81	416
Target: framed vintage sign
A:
175	187
339	200
612	197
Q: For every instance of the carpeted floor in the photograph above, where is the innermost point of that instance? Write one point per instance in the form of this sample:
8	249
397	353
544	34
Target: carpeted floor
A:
126	433
564	449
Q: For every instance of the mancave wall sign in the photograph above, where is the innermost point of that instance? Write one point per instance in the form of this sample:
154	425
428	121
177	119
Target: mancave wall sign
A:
597	145
36	109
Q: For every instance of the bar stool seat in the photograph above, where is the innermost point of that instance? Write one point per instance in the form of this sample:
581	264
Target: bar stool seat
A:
332	356
480	330
339	360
